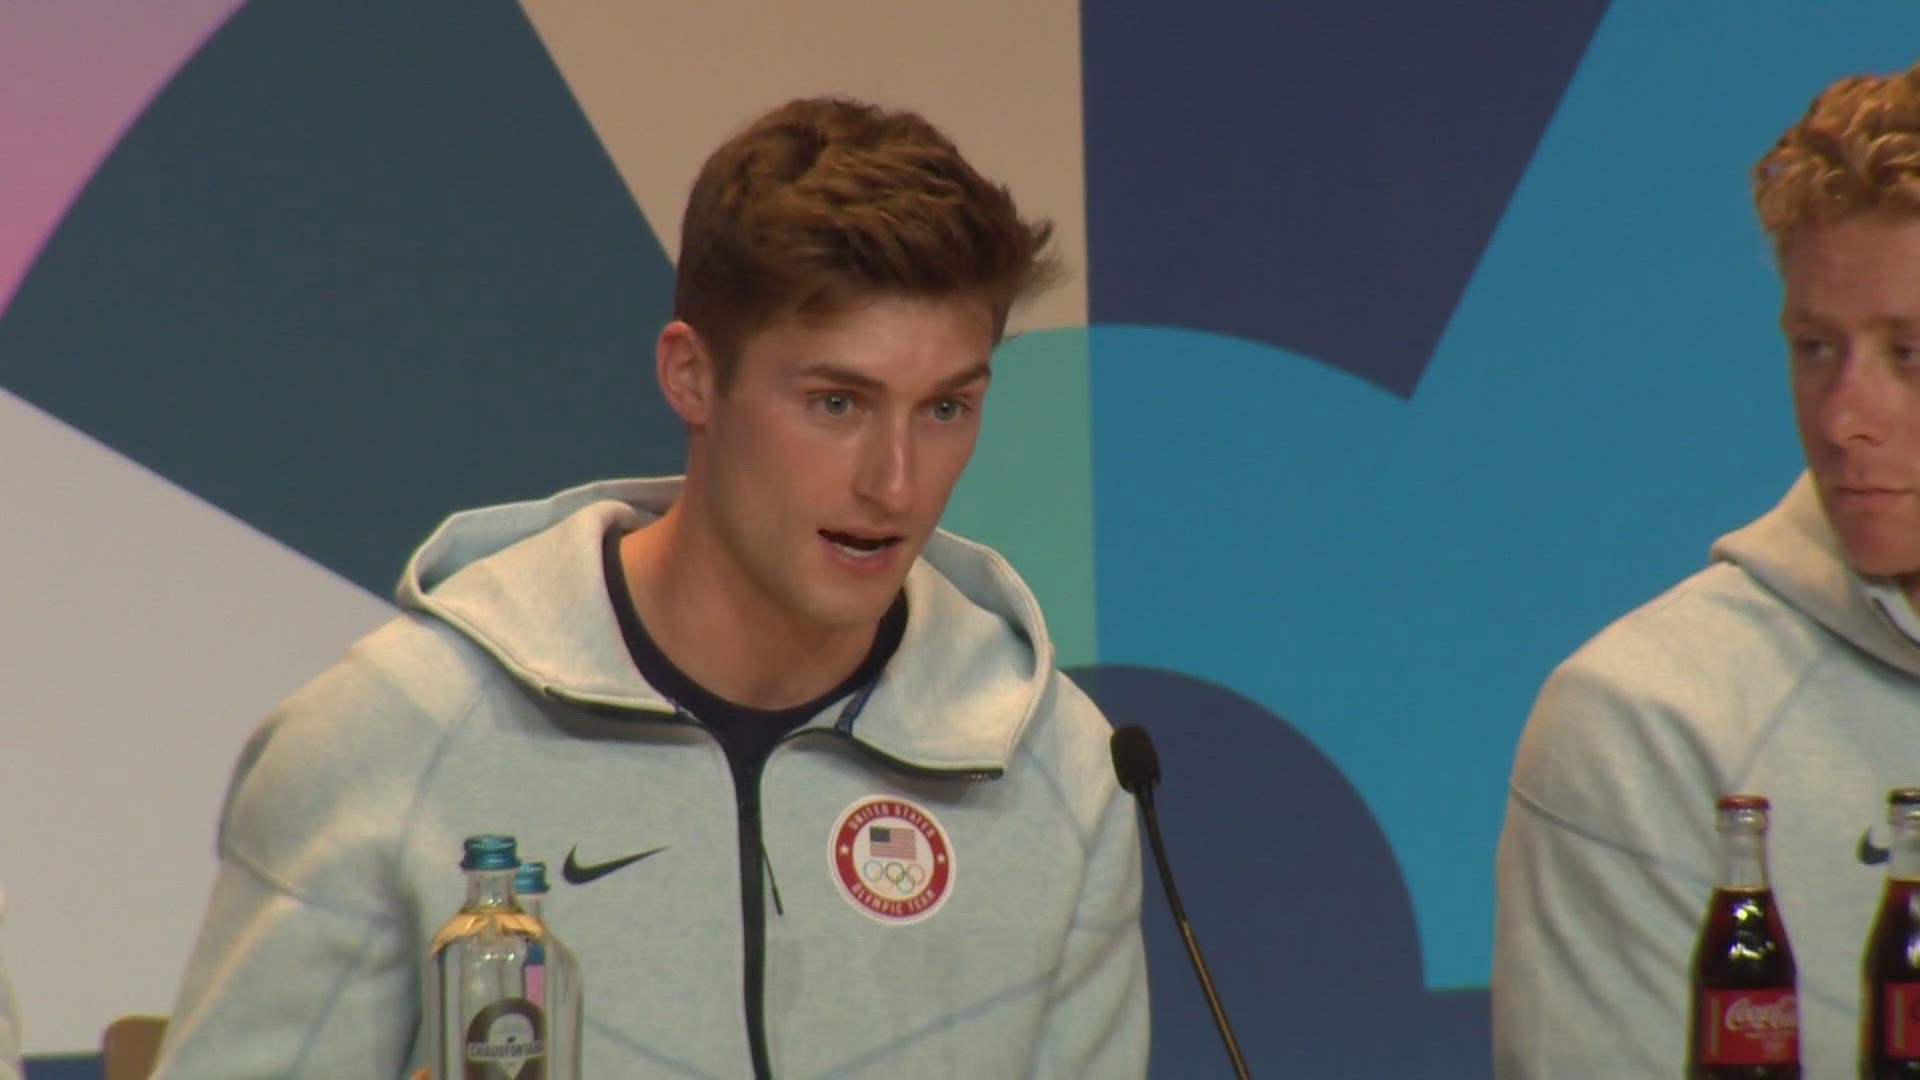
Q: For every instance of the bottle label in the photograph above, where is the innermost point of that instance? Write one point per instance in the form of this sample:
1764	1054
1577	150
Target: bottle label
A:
1749	1027
507	1041
1902	1002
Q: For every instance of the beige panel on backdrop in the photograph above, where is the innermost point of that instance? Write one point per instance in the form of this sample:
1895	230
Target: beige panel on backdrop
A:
664	83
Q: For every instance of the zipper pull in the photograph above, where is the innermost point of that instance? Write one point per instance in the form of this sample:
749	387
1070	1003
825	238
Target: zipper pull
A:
772	883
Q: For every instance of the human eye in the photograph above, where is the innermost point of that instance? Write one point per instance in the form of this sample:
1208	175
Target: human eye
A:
834	403
1809	348
947	410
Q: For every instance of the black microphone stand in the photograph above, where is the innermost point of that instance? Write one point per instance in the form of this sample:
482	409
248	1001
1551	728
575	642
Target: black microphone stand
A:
1139	768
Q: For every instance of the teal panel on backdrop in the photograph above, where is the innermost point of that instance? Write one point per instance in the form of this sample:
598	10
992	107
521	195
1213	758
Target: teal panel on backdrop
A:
1029	490
1395	578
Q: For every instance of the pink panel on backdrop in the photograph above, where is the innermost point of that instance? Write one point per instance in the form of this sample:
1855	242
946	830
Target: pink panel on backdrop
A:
73	76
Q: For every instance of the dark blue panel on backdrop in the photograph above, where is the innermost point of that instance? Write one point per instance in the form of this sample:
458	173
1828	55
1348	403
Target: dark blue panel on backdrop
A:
358	265
1294	894
64	1067
1316	176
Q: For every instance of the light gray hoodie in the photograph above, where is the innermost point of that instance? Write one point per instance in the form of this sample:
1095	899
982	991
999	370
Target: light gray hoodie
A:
1770	672
504	699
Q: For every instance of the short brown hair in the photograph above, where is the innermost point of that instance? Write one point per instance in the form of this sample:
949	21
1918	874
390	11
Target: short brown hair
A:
826	203
1857	150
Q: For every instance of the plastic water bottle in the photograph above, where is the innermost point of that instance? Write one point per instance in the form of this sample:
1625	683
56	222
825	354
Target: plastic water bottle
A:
553	977
486	1025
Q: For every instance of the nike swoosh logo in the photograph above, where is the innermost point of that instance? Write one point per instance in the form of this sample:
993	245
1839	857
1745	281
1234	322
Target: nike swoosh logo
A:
1869	853
577	874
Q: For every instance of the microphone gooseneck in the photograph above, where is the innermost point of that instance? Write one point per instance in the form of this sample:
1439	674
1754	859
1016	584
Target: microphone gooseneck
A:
1137	766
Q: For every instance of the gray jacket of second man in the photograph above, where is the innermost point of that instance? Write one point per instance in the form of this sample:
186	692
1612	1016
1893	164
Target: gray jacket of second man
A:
1774	671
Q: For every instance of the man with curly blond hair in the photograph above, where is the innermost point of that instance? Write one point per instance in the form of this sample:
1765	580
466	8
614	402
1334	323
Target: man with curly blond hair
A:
1789	667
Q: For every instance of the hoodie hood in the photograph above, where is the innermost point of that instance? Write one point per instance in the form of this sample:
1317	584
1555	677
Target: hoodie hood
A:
1793	552
525	582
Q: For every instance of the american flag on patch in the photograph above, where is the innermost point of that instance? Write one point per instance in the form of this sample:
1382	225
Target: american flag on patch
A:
892	841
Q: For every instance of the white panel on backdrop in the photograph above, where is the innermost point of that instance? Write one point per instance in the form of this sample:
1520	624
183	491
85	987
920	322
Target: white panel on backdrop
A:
145	634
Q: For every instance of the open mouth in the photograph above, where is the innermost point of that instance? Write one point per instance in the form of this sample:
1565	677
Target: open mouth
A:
857	545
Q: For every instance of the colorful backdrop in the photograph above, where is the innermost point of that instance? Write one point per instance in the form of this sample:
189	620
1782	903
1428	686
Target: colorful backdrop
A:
1407	345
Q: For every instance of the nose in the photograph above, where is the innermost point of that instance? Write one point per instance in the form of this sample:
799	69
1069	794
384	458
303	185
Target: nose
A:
885	474
1853	402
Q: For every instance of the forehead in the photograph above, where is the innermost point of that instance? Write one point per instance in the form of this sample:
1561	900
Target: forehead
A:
881	337
1865	267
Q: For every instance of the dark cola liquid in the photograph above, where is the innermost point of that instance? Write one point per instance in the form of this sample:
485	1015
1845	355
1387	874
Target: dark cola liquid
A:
1890	1013
1744	1023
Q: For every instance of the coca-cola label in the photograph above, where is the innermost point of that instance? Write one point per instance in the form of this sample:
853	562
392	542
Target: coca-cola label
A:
1902	1002
1749	1027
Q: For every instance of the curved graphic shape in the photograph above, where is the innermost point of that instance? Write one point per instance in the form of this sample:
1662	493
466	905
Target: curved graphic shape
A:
350	272
72	77
1293	894
1321	177
1398	577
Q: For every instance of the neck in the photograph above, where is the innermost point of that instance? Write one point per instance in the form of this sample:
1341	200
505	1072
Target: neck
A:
723	631
1903	863
1743	860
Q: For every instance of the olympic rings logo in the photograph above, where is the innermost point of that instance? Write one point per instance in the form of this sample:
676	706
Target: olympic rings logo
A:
891	859
905	877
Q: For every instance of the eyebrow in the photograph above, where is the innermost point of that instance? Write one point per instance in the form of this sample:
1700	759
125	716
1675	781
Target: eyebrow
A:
862	381
1796	318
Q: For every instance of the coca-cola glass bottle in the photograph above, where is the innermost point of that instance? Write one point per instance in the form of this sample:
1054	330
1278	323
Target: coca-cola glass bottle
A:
1890	1011
1745	1022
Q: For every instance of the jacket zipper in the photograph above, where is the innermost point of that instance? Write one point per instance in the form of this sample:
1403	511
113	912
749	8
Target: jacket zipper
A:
753	908
753	913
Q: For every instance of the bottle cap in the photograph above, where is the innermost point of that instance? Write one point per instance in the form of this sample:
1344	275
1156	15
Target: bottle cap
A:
1742	802
531	880
490	853
1905	796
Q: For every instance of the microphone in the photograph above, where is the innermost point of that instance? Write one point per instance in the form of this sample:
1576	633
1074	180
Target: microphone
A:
1137	767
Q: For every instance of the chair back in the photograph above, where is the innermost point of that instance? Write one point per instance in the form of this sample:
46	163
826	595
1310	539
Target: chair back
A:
130	1046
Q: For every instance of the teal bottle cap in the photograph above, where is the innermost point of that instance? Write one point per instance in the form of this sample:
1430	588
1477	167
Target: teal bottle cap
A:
531	880
490	853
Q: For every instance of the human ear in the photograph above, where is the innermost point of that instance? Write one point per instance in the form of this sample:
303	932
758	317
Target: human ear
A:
685	369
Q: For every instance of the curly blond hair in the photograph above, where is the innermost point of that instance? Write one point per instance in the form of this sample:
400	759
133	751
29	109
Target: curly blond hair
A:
1857	150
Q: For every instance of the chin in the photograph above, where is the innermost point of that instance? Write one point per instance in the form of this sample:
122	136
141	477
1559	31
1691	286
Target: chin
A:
1882	560
844	612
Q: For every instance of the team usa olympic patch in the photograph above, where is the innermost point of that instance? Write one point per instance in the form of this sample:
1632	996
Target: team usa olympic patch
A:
891	859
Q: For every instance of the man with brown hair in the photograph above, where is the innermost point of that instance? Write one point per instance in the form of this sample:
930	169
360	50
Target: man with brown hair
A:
824	804
1789	667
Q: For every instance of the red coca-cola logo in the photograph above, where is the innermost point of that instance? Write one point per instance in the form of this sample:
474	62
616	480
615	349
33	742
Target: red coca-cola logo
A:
1748	1015
1749	1027
1902	1010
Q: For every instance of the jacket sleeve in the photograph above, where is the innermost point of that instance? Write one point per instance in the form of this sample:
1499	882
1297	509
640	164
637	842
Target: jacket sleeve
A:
1602	872
281	987
308	961
1098	1021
